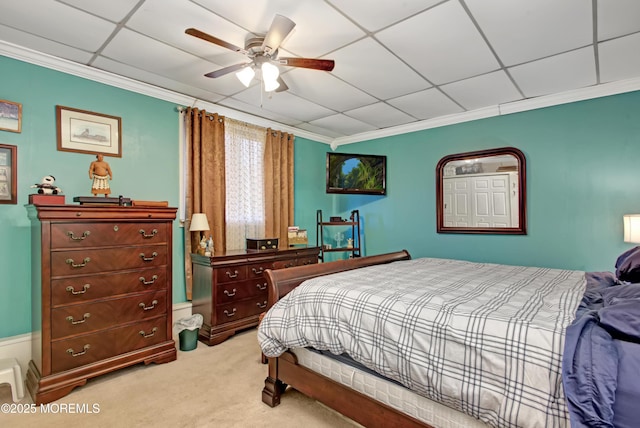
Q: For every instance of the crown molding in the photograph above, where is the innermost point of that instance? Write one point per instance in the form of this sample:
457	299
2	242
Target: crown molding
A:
111	79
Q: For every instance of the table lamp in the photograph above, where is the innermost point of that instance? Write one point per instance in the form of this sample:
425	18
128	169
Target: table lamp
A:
199	223
631	228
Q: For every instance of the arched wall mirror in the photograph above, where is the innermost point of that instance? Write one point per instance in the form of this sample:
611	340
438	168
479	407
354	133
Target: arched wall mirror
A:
482	192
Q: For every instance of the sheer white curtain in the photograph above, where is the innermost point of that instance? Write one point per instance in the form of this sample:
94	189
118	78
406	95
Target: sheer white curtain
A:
244	163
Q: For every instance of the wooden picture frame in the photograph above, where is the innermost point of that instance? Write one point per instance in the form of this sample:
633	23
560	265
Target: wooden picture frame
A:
8	174
10	116
84	131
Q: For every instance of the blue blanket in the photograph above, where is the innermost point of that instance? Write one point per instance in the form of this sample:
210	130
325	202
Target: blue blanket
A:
601	359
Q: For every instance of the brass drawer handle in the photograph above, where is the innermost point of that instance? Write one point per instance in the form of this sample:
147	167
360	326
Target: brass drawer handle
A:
148	308
230	294
154	232
258	271
148	259
145	335
261	286
232	275
262	305
74	265
145	282
72	290
77	354
288	265
230	314
78	238
307	262
84	319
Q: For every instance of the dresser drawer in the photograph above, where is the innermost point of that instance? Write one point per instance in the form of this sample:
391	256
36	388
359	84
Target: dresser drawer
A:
80	235
303	261
91	287
255	270
234	291
241	309
90	348
283	264
230	273
84	318
81	262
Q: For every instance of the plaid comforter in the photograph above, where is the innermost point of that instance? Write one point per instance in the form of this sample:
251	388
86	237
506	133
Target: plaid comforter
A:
485	339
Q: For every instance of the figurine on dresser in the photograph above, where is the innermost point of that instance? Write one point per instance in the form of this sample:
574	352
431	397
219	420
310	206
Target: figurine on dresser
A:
100	173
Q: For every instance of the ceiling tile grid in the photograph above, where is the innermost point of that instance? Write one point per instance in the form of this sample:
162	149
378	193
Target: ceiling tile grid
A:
396	63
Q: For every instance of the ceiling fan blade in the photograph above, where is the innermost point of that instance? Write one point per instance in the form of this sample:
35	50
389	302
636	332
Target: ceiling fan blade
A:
283	86
216	41
280	29
226	70
315	64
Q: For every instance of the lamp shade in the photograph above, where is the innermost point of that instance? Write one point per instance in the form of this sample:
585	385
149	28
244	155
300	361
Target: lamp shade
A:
632	228
199	222
246	75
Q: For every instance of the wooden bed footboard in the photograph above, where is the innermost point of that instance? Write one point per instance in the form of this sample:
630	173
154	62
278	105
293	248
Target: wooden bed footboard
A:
285	371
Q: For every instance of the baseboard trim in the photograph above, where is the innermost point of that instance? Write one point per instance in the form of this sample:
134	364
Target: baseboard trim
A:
19	346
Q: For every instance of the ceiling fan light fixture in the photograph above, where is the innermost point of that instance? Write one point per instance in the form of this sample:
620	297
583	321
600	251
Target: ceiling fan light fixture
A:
270	72
246	75
271	85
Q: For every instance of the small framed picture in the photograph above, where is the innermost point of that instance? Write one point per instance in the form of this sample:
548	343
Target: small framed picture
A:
84	131
8	174
10	116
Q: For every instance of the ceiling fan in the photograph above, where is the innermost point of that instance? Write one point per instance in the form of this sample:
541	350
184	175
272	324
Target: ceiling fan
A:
263	54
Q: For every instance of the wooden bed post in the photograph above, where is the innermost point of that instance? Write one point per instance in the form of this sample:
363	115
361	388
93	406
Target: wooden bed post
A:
273	387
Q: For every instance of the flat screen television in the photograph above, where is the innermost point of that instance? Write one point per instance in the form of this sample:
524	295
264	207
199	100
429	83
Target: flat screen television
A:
351	173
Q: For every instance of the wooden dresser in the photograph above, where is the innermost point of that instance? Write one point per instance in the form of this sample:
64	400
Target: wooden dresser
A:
101	293
230	290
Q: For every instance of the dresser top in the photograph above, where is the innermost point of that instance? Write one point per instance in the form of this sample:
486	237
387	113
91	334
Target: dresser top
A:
99	212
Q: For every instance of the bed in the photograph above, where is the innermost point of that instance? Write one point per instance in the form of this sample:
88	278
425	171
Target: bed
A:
450	343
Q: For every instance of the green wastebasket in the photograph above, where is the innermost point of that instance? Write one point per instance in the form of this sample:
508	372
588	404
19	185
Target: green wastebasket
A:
188	339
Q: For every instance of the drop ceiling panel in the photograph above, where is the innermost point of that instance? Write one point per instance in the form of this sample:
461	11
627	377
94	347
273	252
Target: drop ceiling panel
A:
450	46
258	111
482	91
426	104
320	130
53	20
344	124
325	89
360	65
44	45
380	115
179	87
283	103
558	73
617	18
379	14
619	59
113	10
524	30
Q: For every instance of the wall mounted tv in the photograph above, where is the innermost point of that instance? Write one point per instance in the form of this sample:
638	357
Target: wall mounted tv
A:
350	173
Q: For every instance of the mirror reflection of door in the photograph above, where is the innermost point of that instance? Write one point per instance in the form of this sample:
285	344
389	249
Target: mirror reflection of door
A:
481	192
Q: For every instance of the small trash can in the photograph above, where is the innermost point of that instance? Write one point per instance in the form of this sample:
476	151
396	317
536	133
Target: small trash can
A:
188	339
188	329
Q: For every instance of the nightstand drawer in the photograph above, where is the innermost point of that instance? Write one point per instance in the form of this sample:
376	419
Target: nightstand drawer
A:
81	262
80	235
84	318
91	287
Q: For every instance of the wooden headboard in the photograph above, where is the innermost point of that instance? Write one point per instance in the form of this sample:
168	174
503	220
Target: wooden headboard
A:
282	281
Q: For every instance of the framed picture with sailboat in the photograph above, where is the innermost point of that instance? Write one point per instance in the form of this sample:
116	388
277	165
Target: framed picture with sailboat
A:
88	132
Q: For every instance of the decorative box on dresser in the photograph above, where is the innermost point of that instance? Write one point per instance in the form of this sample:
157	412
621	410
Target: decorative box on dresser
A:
230	290
101	293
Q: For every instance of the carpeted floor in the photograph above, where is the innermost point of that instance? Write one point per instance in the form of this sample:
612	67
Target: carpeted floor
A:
217	386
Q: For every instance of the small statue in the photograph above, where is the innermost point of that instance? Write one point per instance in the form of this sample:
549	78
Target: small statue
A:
209	250
349	242
100	173
202	247
47	186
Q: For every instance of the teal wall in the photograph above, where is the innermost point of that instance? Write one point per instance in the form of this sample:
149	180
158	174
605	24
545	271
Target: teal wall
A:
581	163
582	176
147	170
